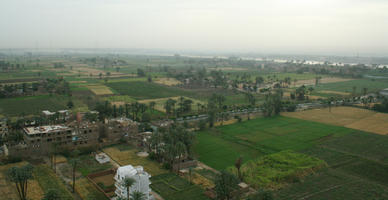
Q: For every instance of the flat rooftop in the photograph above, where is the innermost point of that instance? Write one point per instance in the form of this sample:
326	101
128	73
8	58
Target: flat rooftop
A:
45	129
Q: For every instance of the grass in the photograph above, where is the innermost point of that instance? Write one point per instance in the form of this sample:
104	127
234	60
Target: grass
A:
173	187
221	146
274	170
48	180
145	90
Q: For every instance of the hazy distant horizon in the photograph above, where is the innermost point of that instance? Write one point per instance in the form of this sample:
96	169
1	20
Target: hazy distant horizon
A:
311	27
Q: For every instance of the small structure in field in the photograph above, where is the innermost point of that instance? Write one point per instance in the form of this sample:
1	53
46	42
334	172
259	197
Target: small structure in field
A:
142	182
102	158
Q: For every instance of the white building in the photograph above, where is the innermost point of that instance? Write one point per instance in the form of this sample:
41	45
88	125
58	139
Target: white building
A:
142	182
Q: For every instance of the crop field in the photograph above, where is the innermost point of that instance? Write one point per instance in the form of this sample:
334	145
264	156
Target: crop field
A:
100	89
220	147
276	170
333	184
87	164
167	81
347	86
31	105
129	157
144	90
87	190
48	180
309	82
122	99
8	189
350	117
173	187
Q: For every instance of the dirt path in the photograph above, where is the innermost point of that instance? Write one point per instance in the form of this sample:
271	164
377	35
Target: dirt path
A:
156	196
200	164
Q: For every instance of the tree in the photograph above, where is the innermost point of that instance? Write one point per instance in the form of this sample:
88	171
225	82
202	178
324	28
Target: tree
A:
152	106
272	104
51	194
225	184
136	195
364	91
20	176
238	164
73	163
70	104
181	151
140	73
127	183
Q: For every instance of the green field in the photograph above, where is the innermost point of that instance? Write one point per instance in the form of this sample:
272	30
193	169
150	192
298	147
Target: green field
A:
357	161
173	187
35	105
31	105
221	146
347	86
145	90
87	164
48	180
275	170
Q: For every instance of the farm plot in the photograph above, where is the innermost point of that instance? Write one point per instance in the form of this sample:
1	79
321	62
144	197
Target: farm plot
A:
220	147
173	187
100	89
87	190
129	157
144	90
321	81
31	105
48	180
355	118
359	84
8	189
167	81
87	164
276	170
333	184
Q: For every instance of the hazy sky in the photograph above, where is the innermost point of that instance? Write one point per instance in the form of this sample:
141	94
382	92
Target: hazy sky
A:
263	26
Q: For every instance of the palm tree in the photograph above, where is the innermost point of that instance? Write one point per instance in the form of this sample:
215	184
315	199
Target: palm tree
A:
181	150
136	195
128	182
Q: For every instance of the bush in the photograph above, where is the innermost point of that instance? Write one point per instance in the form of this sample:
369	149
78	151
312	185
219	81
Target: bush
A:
12	159
202	125
238	118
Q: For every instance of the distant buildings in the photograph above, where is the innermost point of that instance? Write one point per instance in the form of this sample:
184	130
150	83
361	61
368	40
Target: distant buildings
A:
141	178
384	92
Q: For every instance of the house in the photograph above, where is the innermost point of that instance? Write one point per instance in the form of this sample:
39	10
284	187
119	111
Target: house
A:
142	182
3	127
40	138
119	128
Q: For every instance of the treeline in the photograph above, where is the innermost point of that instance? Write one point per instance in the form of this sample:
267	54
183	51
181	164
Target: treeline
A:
48	86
